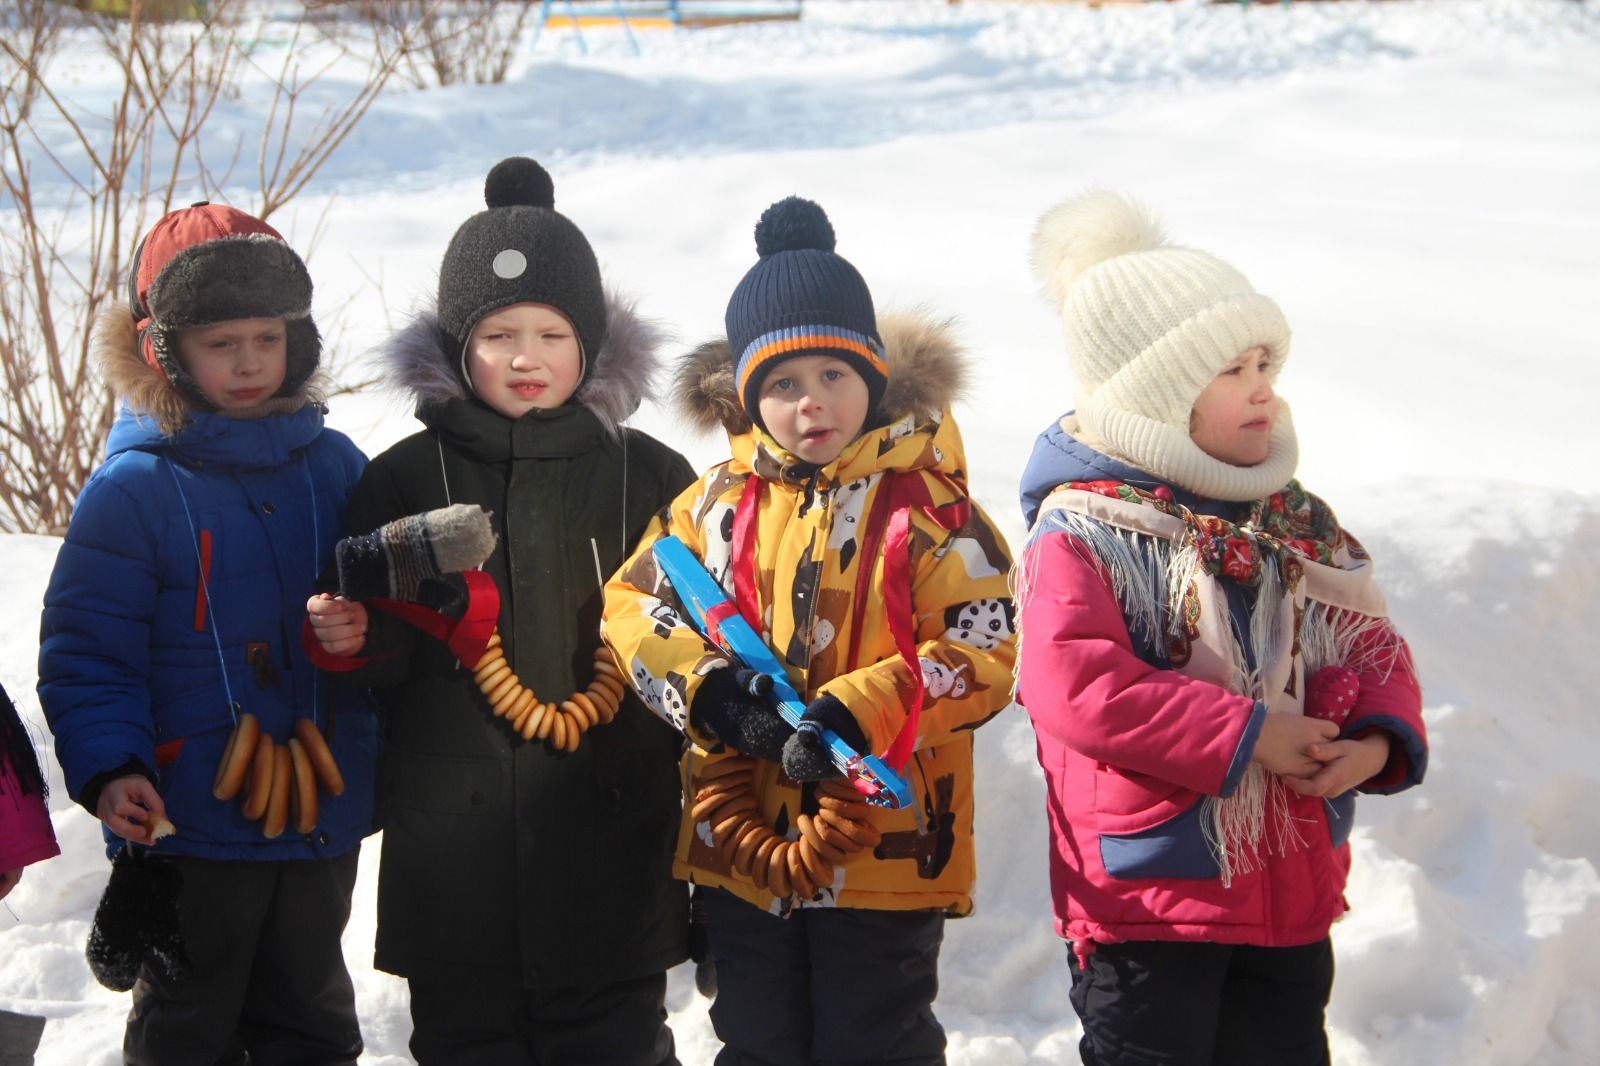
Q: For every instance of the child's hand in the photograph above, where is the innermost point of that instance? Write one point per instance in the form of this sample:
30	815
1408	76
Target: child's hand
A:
8	881
1345	764
131	808
340	625
804	756
1287	742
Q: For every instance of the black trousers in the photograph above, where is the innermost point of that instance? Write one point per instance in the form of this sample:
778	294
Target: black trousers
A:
825	986
1148	1003
269	978
487	1018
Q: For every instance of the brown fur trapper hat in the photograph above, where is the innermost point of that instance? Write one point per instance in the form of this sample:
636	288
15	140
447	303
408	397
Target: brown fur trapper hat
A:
211	263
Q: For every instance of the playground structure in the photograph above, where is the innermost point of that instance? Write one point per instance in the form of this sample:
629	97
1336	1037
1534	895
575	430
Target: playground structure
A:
657	15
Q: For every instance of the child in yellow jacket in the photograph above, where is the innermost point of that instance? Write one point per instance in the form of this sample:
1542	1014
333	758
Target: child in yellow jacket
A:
842	527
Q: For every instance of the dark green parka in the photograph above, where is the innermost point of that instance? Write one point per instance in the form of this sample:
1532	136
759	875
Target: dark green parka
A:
498	852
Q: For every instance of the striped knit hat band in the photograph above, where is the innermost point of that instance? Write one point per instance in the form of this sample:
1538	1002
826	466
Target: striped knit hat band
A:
778	345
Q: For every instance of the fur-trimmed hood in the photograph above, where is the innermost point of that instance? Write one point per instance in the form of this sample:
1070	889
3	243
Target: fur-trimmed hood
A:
927	371
616	380
114	347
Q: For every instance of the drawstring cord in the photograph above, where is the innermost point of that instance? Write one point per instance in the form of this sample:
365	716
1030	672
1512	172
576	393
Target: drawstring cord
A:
205	582
443	476
316	545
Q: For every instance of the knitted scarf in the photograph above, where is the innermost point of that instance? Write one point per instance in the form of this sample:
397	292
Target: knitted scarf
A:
1155	579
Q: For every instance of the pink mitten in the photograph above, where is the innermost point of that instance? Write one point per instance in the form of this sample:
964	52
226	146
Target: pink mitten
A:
1331	693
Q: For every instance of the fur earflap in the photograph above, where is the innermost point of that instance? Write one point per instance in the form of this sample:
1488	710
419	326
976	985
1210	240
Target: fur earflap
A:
705	393
927	372
114	344
618	378
1077	234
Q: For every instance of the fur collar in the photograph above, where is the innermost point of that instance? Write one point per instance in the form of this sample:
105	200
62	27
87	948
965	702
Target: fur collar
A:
114	346
420	365
927	371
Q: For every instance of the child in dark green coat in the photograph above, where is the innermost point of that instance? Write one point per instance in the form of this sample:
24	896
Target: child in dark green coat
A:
526	889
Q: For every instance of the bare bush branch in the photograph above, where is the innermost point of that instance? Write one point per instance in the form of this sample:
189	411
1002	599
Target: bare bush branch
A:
80	181
455	41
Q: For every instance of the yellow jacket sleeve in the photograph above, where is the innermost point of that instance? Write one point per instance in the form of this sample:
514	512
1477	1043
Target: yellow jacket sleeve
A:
646	627
966	643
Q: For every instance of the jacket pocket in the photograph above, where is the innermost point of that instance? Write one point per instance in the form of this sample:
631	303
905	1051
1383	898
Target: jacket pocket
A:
1129	802
1175	847
640	779
445	784
1150	827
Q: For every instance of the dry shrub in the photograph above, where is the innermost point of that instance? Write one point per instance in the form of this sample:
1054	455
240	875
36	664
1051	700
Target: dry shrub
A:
80	182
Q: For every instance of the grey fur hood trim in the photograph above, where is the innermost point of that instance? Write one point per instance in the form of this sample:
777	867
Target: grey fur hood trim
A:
618	378
927	372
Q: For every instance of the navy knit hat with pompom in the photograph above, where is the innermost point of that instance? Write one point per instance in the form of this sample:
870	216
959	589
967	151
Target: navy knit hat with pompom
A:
520	251
801	299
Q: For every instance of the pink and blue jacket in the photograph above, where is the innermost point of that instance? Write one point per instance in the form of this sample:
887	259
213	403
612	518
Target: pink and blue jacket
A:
1132	748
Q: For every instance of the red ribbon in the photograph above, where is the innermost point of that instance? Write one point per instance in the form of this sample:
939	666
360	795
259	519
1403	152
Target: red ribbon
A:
908	491
889	523
744	551
467	637
715	616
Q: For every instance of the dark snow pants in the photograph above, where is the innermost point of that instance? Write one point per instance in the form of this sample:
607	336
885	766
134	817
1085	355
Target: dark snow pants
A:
824	986
1148	1003
487	1018
269	978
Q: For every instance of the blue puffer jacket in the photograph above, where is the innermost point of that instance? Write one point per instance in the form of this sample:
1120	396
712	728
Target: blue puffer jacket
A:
138	663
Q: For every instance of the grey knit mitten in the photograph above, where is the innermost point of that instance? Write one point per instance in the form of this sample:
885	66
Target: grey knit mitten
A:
397	560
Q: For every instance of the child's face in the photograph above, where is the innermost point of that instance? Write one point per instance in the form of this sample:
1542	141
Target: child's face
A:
524	356
237	363
1232	419
814	405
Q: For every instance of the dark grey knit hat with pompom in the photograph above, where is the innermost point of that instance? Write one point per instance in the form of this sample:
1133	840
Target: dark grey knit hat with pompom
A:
801	299
520	250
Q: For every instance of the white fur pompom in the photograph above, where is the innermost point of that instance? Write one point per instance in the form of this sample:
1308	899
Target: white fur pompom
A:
1090	228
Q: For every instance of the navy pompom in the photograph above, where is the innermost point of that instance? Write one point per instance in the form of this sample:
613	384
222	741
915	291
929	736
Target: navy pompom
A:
519	181
792	224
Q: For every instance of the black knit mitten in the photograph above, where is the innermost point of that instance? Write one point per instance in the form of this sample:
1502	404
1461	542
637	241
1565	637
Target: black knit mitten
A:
731	706
805	757
405	559
137	923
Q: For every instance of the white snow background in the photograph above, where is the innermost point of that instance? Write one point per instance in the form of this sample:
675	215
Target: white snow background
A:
1418	184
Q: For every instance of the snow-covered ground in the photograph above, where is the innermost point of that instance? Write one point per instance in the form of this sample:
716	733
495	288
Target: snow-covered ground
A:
1417	183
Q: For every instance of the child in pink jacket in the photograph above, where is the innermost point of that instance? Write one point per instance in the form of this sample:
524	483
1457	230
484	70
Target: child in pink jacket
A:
25	833
1209	667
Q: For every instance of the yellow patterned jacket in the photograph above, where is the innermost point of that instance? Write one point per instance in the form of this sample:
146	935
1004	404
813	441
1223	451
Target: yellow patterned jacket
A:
810	532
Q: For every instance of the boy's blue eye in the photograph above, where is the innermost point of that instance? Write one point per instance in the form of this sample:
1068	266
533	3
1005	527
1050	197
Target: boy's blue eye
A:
832	374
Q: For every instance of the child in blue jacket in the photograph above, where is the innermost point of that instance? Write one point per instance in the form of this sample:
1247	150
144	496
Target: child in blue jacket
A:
232	783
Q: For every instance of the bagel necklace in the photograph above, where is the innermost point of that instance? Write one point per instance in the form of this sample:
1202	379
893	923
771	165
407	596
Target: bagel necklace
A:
724	798
564	723
283	778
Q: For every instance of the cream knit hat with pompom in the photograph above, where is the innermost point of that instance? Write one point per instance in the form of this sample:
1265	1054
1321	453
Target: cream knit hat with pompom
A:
1148	326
